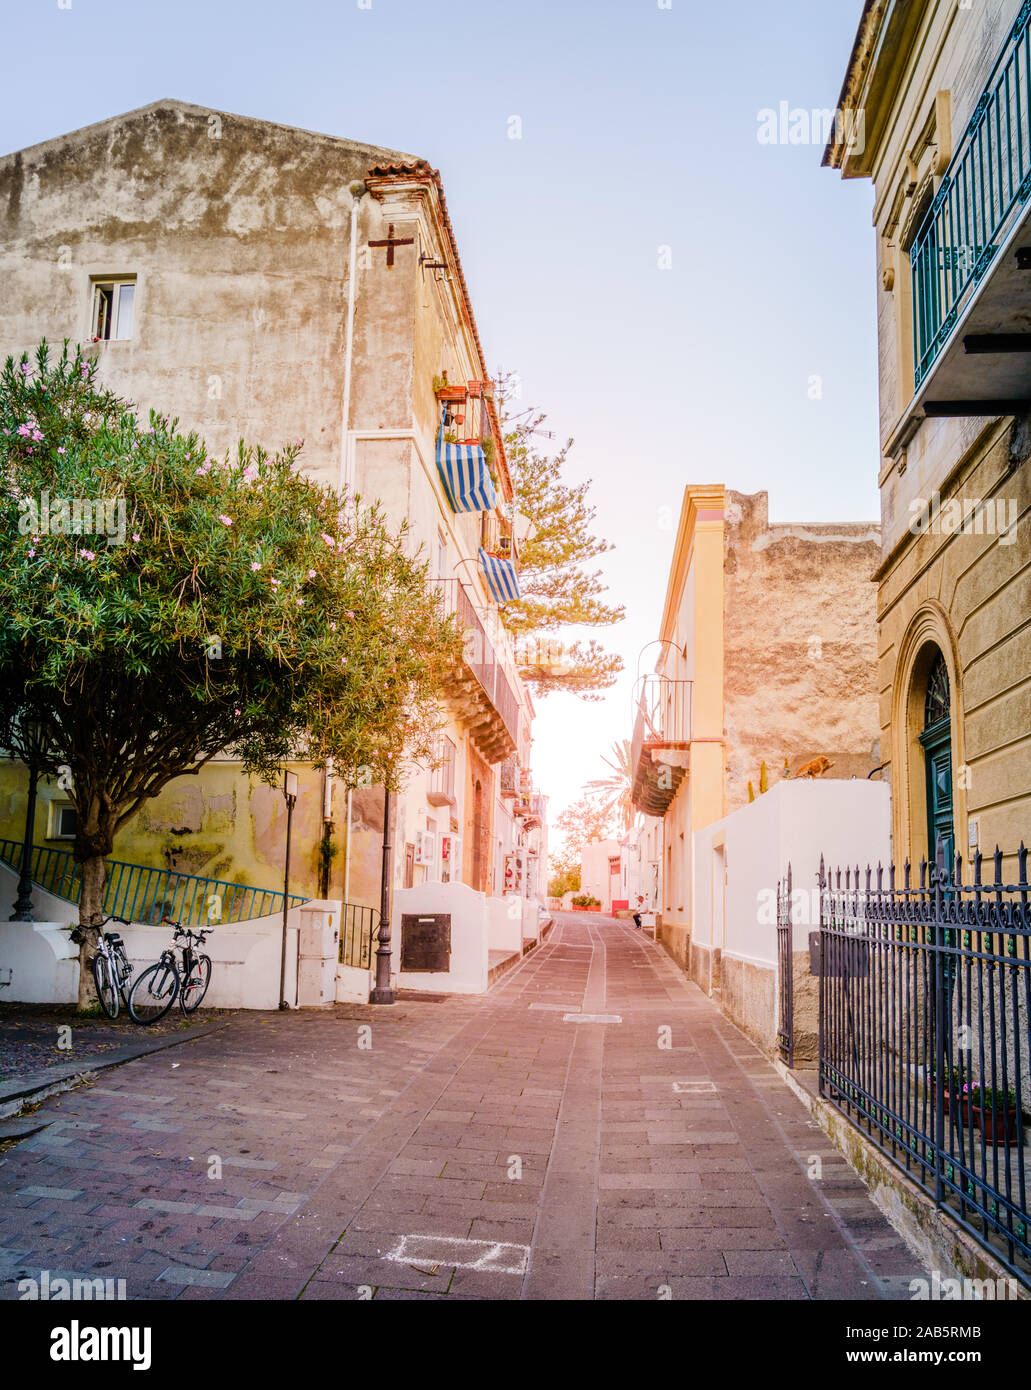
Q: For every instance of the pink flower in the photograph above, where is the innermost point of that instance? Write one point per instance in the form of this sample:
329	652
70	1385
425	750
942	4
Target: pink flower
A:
60	450
311	574
135	537
88	554
255	565
300	603
31	553
274	583
25	431
236	711
329	540
226	520
332	627
26	368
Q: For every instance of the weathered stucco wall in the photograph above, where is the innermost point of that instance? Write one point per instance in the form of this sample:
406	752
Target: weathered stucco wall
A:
800	646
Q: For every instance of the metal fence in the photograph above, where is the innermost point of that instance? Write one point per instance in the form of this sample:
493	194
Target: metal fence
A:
925	1039
357	933
144	895
785	973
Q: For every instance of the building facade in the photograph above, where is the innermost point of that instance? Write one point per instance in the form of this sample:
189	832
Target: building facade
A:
766	669
944	94
276	285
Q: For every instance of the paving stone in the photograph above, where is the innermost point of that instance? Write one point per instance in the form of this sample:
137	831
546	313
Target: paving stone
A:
629	1189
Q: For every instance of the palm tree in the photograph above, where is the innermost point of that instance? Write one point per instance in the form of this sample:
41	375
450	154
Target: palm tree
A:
616	790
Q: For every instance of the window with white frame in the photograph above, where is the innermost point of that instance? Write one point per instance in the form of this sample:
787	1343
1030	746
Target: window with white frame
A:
62	821
111	314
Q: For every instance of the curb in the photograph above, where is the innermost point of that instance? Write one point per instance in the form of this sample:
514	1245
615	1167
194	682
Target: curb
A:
37	1086
928	1231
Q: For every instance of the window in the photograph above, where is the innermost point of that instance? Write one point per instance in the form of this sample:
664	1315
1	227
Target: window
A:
62	824
112	313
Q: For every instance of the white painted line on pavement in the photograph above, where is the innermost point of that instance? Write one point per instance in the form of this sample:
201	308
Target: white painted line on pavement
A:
591	1018
492	1256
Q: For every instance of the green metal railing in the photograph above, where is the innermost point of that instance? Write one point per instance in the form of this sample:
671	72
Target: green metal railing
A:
989	175
144	895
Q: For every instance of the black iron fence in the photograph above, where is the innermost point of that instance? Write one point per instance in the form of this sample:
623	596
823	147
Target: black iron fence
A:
357	931
925	1033
785	973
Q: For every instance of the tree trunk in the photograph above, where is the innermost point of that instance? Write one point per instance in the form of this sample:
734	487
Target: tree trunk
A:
91	914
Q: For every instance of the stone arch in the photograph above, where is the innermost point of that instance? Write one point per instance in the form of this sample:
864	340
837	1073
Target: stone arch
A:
929	633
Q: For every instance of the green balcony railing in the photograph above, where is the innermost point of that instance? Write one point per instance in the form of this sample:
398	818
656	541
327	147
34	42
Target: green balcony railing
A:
144	895
988	177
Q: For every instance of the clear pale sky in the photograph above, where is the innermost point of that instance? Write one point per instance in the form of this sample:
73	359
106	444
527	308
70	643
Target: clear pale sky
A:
638	132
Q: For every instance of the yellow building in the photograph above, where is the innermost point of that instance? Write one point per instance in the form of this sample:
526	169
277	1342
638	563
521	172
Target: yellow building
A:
946	108
766	664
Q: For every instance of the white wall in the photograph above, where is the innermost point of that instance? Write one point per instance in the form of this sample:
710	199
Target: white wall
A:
469	937
794	822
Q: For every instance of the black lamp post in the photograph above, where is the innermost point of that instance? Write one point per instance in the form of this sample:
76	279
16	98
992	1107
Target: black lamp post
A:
30	745
290	793
383	992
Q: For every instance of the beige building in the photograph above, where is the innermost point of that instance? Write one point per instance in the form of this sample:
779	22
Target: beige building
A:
944	95
767	661
273	284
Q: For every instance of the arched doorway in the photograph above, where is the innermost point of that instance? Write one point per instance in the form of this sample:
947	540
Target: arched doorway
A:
936	740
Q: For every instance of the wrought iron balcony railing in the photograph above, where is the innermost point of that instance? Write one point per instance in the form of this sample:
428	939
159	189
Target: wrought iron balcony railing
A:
989	176
481	659
662	737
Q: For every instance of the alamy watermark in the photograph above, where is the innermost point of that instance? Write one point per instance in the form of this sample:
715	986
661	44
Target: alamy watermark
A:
797	125
73	516
968	516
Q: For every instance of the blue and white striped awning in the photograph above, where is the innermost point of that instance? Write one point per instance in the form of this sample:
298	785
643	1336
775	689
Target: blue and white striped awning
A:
501	576
465	477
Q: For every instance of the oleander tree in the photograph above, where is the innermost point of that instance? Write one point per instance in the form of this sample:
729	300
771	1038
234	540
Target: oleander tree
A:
159	607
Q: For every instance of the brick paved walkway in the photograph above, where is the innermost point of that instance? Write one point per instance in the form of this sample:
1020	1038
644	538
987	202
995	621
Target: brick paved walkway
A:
481	1148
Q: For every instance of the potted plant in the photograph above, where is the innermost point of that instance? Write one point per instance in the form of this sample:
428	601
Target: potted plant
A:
996	1112
951	1087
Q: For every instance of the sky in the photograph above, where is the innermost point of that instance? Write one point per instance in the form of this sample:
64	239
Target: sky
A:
689	304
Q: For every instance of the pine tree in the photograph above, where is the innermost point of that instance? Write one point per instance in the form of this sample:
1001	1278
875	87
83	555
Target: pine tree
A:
558	591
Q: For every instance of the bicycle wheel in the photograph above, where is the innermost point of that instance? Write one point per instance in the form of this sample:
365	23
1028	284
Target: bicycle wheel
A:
197	985
107	990
154	993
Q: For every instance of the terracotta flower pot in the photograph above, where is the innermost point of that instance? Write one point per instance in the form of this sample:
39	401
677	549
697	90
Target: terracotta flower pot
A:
998	1126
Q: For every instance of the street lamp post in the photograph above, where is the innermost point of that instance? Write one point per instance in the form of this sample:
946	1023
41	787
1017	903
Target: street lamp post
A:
383	992
290	793
31	746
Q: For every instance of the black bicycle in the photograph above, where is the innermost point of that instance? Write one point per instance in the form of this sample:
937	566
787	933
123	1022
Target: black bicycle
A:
185	979
111	969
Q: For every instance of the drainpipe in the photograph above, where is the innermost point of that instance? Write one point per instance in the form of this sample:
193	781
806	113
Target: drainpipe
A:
358	191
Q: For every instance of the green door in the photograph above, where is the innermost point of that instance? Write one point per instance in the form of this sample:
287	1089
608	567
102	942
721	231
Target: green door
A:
936	741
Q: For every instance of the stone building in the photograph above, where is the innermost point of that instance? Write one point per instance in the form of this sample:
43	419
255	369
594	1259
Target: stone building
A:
944	92
767	669
272	284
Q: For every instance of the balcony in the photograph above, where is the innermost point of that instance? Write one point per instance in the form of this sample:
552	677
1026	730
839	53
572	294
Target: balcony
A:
971	259
479	688
661	743
509	778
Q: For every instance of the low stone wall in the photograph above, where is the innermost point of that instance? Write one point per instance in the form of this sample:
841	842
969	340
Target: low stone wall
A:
749	997
676	938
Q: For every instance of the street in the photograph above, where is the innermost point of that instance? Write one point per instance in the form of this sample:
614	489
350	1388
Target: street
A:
511	1146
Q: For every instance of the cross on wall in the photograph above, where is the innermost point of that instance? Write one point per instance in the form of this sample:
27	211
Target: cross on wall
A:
391	241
